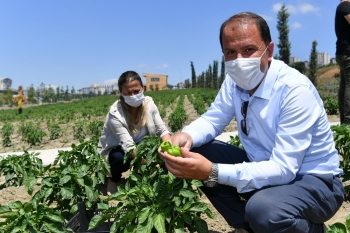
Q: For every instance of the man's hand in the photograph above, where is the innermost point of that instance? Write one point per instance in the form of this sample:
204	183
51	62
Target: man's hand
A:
190	166
182	139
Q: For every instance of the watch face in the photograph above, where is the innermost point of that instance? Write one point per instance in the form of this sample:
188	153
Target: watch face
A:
211	183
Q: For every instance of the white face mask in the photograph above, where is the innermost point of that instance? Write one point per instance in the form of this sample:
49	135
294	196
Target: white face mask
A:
245	72
134	100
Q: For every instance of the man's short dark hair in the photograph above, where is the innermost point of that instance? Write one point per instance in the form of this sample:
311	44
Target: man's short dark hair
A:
249	16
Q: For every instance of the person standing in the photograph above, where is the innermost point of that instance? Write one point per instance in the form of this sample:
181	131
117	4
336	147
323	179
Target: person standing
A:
288	172
129	119
342	31
20	99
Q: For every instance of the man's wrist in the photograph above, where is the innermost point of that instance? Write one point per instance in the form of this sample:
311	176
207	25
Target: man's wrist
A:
212	181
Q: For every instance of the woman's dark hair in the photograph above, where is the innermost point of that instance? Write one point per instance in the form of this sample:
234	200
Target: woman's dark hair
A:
249	16
128	76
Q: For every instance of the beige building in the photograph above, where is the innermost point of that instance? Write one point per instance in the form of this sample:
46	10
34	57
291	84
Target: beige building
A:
155	82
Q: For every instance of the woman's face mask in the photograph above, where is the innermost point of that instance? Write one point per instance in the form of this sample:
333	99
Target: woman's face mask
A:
134	100
245	72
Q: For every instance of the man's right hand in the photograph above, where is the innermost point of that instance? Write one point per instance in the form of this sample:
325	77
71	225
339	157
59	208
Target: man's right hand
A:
182	139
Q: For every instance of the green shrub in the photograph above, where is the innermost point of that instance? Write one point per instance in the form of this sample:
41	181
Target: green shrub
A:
6	132
331	105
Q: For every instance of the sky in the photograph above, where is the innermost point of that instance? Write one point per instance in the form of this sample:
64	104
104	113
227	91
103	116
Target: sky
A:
78	43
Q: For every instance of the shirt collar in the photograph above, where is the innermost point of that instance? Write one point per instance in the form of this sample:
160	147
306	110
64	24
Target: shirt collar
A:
264	91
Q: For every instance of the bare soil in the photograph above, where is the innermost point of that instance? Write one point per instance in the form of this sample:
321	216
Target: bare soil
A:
219	225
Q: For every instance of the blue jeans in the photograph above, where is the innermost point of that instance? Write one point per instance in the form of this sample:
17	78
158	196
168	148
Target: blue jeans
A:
302	206
344	88
116	161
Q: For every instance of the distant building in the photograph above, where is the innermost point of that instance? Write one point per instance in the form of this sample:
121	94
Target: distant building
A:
333	61
5	83
323	59
155	82
97	89
293	60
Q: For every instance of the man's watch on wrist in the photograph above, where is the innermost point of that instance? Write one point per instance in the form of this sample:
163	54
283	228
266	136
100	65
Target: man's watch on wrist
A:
212	181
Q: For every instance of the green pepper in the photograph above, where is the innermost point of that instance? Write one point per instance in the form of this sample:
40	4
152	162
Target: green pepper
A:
175	151
165	146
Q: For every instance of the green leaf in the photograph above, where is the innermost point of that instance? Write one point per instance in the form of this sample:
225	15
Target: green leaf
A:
29	183
337	228
15	205
102	206
9	215
198	207
55	217
159	223
187	193
89	193
52	228
201	225
4	209
347	222
97	220
66	193
65	179
143	215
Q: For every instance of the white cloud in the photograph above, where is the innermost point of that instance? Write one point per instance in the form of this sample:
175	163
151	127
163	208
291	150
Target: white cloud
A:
296	25
302	8
110	81
142	65
165	66
306	8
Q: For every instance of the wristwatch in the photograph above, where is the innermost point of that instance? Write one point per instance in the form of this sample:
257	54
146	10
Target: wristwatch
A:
212	181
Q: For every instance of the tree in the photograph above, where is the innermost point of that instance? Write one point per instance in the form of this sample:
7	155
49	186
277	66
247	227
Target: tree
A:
300	66
222	73
31	94
215	74
9	96
58	95
209	77
313	63
283	29
194	81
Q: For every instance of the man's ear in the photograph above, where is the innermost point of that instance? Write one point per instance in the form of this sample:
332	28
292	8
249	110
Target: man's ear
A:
270	49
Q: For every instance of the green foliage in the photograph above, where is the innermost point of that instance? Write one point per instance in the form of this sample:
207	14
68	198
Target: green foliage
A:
341	134
313	63
74	178
31	133
79	130
55	130
155	200
340	227
283	37
331	105
95	128
6	132
21	170
235	141
29	217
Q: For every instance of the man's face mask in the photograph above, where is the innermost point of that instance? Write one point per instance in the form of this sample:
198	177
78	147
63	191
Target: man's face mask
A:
245	72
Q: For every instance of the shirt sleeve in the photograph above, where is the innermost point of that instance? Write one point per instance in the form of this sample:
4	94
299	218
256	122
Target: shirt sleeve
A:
120	132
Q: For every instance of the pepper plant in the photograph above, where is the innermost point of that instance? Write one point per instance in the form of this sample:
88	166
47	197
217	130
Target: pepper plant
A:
155	200
6	132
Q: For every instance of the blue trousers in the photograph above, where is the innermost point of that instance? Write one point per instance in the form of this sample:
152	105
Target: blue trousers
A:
302	206
116	161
